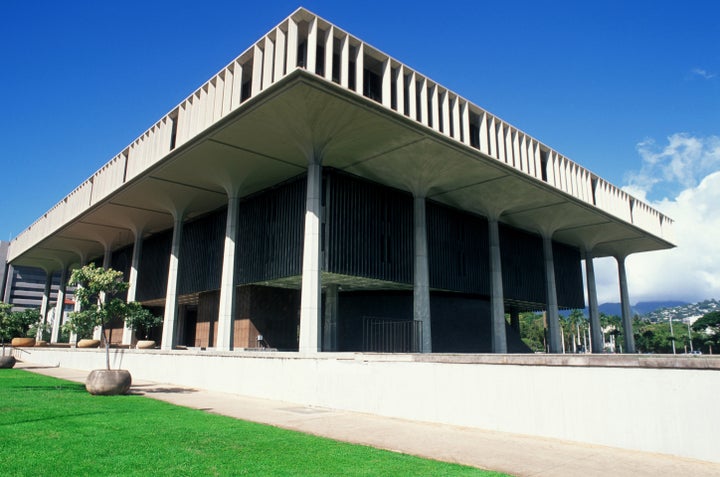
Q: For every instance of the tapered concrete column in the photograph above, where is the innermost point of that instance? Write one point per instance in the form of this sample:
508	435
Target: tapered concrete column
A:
97	332
421	276
127	338
59	305
626	312
4	278
595	328
310	304
553	317
330	323
497	298
9	274
171	296
45	301
76	307
226	313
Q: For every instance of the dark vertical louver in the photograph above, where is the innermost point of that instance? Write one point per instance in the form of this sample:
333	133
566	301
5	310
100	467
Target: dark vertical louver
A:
458	251
154	263
201	253
122	261
568	276
524	270
522	266
369	229
270	241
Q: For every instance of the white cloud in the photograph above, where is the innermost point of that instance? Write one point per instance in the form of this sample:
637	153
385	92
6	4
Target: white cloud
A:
680	165
691	271
703	73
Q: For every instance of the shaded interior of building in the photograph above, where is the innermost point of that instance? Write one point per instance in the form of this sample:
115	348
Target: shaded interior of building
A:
367	272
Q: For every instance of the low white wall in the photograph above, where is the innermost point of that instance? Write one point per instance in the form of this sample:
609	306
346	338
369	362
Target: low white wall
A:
665	410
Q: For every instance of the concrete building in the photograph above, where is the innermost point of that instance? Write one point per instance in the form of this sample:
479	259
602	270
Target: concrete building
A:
31	287
318	195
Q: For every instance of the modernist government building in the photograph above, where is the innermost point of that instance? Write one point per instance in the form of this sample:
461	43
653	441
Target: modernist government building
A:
318	195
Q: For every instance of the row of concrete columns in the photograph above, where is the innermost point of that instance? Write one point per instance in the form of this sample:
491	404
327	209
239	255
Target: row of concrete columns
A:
311	333
310	337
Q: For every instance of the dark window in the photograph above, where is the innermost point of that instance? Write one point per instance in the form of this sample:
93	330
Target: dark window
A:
441	118
393	91
351	76
372	85
544	165
594	189
336	68
245	90
302	55
418	101
320	60
429	108
406	86
173	132
474	135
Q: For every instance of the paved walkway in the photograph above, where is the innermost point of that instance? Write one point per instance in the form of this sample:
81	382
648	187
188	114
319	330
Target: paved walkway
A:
509	453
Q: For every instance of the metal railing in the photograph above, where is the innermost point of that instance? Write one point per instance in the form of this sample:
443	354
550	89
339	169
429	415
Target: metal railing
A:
388	335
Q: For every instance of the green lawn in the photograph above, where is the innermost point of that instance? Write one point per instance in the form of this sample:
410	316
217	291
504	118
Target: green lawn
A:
54	427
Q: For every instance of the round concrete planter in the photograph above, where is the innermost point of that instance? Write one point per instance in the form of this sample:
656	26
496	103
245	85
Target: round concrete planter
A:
7	362
84	343
108	382
23	342
145	344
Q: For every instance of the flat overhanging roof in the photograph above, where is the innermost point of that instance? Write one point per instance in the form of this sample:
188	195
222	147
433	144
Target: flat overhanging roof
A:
270	138
230	144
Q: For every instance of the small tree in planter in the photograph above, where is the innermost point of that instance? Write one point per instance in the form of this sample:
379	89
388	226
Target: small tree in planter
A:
97	291
82	324
27	325
142	321
6	331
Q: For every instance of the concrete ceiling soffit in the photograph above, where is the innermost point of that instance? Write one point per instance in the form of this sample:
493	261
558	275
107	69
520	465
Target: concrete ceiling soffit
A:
100	232
550	214
71	247
156	193
628	246
588	236
308	119
224	168
130	218
48	259
496	195
425	167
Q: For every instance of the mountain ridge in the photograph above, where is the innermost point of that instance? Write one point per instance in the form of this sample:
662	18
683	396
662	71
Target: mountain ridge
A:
658	311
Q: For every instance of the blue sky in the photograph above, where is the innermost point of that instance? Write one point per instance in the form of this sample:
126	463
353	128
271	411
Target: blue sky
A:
628	89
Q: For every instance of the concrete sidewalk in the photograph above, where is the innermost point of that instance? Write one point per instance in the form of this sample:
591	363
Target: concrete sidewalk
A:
513	454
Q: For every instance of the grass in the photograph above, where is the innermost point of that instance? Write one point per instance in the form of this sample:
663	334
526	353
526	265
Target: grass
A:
53	427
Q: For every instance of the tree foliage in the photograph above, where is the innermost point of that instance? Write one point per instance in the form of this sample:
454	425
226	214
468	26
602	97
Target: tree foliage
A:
14	324
649	337
709	321
575	327
142	320
708	331
97	292
532	331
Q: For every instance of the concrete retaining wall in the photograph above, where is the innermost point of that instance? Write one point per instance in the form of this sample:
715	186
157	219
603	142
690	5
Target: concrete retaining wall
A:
663	405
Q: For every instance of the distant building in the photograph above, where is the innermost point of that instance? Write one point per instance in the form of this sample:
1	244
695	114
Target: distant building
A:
317	194
25	288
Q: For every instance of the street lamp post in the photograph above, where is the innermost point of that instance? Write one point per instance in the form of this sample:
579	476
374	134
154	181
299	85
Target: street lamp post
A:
672	335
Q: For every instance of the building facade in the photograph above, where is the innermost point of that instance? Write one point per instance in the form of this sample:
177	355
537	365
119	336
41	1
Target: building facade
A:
30	287
317	194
